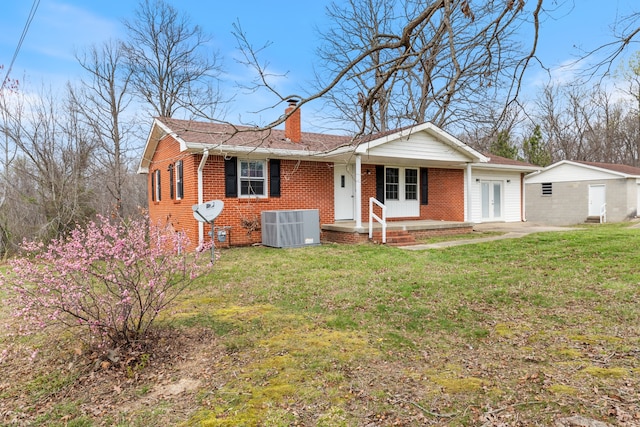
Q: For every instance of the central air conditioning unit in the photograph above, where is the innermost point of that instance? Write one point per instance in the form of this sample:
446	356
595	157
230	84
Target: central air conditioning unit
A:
291	228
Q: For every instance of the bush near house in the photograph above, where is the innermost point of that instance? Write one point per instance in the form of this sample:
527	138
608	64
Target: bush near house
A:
106	282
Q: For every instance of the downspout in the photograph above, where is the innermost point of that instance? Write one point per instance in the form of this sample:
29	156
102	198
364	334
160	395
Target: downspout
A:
358	204
469	199
205	155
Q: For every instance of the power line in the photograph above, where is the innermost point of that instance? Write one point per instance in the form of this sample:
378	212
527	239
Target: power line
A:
32	13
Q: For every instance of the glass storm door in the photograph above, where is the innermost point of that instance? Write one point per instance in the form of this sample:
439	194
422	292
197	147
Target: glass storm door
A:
491	200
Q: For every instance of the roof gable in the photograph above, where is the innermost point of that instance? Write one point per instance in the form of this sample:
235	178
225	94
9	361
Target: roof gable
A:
420	142
568	171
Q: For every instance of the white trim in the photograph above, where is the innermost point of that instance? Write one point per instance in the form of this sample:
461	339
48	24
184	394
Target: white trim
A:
582	165
264	179
358	201
467	190
429	127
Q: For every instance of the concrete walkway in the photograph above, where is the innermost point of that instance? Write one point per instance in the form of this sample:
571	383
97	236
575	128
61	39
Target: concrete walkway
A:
511	230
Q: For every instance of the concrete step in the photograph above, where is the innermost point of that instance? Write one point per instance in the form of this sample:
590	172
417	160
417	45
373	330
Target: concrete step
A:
593	220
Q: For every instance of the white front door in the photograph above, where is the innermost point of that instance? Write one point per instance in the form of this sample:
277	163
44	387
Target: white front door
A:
343	197
491	194
596	199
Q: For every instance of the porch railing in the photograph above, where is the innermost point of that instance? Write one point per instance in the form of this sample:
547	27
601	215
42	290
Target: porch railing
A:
373	216
603	213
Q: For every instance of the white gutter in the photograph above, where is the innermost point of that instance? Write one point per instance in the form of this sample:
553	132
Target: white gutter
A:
358	192
205	155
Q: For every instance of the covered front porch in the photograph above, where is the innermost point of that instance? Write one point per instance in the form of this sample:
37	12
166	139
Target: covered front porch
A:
350	232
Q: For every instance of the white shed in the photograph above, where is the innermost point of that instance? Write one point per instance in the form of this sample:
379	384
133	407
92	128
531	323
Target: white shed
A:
569	192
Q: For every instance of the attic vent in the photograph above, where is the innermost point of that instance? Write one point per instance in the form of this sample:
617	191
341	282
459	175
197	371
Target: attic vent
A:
547	189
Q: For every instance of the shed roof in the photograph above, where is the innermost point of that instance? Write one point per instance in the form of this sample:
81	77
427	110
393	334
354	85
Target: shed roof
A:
624	169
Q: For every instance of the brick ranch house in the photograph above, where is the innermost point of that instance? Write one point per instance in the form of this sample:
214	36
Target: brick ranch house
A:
430	182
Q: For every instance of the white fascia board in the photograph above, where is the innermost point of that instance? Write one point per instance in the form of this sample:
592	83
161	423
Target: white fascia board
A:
258	151
591	167
157	128
487	166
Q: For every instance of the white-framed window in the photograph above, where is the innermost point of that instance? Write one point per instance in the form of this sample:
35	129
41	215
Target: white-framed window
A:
411	184
392	184
155	181
401	184
179	181
253	178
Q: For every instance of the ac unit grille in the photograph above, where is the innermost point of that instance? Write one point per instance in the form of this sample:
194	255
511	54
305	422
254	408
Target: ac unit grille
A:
290	228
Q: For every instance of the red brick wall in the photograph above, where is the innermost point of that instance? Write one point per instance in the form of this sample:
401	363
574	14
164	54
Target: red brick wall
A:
446	195
173	214
304	185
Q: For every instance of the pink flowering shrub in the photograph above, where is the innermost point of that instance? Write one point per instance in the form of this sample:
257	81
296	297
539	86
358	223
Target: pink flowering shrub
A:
107	281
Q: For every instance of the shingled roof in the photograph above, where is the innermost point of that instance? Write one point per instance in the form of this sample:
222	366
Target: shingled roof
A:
625	169
245	136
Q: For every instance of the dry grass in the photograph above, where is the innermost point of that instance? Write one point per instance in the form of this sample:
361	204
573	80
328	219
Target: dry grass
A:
515	332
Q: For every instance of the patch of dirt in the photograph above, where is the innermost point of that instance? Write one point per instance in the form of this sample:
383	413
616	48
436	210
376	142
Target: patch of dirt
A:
108	392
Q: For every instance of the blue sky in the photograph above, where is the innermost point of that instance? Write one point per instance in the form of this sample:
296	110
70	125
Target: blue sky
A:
61	27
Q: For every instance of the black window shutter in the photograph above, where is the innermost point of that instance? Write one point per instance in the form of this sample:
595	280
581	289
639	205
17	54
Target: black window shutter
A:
231	177
380	183
171	185
424	186
153	186
274	178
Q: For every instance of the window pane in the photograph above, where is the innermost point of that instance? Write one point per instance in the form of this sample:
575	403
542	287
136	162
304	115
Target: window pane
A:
252	169
497	201
485	200
158	188
411	184
251	187
392	184
179	186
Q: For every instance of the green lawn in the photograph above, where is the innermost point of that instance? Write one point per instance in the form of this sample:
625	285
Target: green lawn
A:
508	332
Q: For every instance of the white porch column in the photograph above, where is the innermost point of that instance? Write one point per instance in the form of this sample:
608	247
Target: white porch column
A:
358	204
469	199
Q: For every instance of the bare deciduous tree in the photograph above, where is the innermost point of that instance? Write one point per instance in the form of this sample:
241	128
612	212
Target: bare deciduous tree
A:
168	57
391	64
103	102
54	155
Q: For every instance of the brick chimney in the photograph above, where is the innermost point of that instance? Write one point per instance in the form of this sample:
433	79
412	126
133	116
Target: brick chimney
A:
292	124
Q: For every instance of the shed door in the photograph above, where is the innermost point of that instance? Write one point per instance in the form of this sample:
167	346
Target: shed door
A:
596	199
